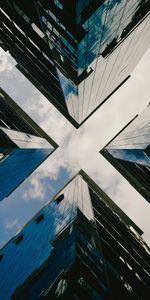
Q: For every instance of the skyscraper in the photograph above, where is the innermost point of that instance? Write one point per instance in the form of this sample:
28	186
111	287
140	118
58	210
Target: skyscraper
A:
79	246
23	145
129	152
77	53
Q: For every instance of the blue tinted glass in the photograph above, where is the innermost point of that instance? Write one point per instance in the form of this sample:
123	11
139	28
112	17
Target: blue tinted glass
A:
17	166
51	239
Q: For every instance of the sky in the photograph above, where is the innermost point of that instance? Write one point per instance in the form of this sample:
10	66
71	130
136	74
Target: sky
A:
78	149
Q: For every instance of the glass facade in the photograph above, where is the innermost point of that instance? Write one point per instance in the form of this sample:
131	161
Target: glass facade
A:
129	152
23	145
77	53
76	247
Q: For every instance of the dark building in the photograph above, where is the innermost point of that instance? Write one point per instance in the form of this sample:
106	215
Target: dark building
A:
79	246
129	152
23	145
77	53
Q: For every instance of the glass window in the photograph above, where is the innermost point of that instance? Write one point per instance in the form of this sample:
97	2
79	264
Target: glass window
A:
19	239
39	218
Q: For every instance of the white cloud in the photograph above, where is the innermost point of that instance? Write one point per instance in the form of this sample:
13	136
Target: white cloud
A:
80	148
36	189
12	224
6	61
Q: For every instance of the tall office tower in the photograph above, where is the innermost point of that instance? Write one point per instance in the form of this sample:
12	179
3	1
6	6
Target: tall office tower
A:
23	145
129	152
77	53
79	246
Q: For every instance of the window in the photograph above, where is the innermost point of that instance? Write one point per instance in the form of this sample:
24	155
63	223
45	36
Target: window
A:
39	218
128	286
37	30
1	156
19	239
1	256
59	198
58	4
5	152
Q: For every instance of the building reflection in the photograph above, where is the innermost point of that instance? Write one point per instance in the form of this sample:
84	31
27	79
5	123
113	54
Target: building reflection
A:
79	245
77	53
129	152
23	145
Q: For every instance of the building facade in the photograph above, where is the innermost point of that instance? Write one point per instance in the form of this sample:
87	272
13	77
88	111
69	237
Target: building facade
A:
23	145
79	246
77	53
129	152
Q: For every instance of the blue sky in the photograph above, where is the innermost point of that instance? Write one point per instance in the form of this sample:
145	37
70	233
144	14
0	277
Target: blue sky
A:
77	148
18	207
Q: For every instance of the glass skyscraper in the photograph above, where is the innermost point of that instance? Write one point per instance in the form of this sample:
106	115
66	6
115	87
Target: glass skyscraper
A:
23	145
129	152
77	53
79	246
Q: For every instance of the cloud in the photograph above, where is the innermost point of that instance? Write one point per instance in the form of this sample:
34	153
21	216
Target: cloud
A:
80	148
12	224
6	61
36	189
